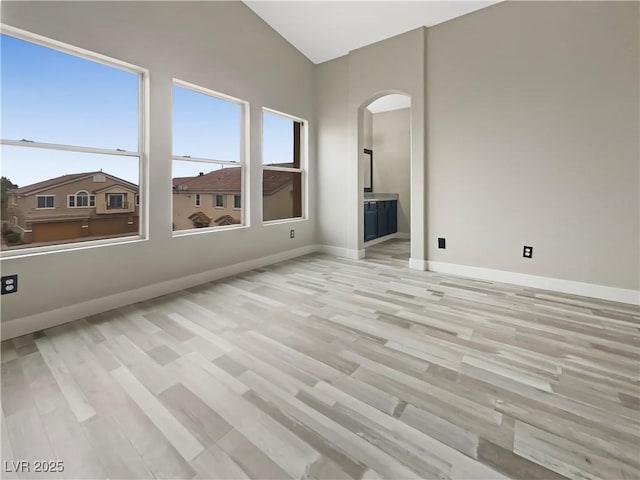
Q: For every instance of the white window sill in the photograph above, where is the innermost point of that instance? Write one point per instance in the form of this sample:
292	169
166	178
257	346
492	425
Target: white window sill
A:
206	230
26	251
285	220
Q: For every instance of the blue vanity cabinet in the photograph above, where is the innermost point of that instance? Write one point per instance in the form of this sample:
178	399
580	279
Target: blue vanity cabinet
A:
393	216
380	218
370	221
383	218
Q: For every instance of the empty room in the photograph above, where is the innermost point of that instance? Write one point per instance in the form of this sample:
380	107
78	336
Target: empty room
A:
320	239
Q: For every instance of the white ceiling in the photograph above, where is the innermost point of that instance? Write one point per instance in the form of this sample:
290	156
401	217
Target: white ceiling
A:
323	30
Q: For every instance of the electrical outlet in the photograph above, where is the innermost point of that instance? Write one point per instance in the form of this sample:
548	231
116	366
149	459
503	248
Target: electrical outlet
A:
527	252
292	233
442	243
9	284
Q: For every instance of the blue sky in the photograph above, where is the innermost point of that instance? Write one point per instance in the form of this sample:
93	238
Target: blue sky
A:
54	97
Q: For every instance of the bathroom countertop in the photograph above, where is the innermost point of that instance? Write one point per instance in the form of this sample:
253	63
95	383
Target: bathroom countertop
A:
379	197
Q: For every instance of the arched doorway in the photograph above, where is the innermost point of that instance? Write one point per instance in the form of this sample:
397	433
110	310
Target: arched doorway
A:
384	170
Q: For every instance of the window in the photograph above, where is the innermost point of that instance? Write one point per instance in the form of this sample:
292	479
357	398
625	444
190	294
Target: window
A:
209	135
81	199
137	199
46	201
116	201
71	124
283	159
237	201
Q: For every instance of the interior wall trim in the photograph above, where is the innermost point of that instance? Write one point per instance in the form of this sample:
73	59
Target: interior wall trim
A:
33	323
603	292
39	321
417	264
386	238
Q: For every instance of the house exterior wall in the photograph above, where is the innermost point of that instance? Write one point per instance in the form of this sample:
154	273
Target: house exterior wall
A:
102	206
66	223
276	206
184	205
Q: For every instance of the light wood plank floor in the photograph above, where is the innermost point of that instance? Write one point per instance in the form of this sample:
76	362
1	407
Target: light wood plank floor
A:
328	368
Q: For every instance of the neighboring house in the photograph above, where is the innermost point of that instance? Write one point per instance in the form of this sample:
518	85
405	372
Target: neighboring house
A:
214	198
96	204
91	204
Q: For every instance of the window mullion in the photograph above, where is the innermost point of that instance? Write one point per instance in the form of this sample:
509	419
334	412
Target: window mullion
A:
68	148
283	169
205	160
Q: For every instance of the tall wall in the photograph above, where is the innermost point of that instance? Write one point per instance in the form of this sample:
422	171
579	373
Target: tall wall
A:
392	160
533	139
344	87
367	139
331	95
222	46
524	126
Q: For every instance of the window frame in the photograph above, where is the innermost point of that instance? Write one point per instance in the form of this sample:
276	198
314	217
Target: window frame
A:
237	199
243	162
302	169
52	207
197	200
141	152
91	200
123	204
215	200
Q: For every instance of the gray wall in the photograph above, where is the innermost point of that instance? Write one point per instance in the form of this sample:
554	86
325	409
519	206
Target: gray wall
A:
392	160
367	118
332	96
530	118
344	87
223	46
533	139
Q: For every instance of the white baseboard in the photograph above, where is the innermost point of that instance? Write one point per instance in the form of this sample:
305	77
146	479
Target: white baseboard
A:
565	286
386	238
378	240
33	323
417	264
341	252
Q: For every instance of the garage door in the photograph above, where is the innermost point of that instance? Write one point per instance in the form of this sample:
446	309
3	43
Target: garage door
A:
51	232
111	226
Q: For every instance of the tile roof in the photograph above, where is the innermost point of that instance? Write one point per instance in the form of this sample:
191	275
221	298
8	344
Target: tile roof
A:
51	182
227	180
226	220
70	178
274	180
200	218
179	180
